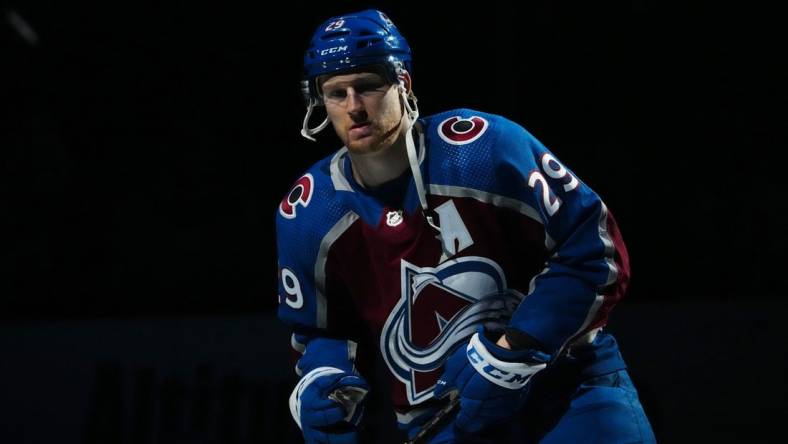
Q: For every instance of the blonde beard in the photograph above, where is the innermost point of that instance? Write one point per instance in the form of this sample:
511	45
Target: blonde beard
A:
386	162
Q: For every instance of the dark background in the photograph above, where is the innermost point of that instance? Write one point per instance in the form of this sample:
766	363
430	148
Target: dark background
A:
145	148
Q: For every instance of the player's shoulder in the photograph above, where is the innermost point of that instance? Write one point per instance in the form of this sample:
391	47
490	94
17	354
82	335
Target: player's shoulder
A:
465	126
465	145
312	202
475	132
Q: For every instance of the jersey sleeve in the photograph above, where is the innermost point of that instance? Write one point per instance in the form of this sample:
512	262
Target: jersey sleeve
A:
312	299
587	270
301	304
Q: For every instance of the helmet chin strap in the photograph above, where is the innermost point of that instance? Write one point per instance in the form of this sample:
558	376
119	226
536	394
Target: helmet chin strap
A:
413	158
306	131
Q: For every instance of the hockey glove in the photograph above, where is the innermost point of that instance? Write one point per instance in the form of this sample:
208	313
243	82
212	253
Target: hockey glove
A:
492	381
327	403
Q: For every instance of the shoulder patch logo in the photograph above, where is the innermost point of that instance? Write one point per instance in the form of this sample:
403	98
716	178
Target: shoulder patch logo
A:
458	131
300	194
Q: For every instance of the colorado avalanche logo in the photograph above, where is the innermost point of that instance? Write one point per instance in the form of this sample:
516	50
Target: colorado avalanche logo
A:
458	131
439	308
300	194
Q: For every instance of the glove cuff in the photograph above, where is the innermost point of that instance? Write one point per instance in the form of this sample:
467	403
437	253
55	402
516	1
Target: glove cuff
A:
529	355
319	352
507	374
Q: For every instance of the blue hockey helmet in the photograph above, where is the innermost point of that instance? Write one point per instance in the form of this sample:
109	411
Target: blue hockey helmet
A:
351	41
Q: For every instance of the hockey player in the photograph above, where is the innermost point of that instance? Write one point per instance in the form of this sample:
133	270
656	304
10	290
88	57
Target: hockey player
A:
455	247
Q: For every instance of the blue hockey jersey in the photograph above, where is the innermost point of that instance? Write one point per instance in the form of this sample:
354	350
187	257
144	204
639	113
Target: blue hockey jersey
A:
523	242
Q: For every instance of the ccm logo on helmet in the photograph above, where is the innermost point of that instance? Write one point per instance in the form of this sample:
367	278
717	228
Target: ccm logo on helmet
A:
458	131
300	194
333	50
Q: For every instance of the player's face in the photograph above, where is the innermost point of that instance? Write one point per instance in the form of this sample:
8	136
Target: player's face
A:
365	110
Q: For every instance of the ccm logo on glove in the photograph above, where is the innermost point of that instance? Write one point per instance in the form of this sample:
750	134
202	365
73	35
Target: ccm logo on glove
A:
511	375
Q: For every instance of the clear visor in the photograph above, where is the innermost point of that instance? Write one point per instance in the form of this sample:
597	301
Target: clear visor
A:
381	71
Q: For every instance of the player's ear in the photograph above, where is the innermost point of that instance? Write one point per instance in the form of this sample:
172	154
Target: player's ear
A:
405	81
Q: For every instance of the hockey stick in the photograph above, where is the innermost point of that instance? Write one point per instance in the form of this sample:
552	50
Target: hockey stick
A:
439	420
